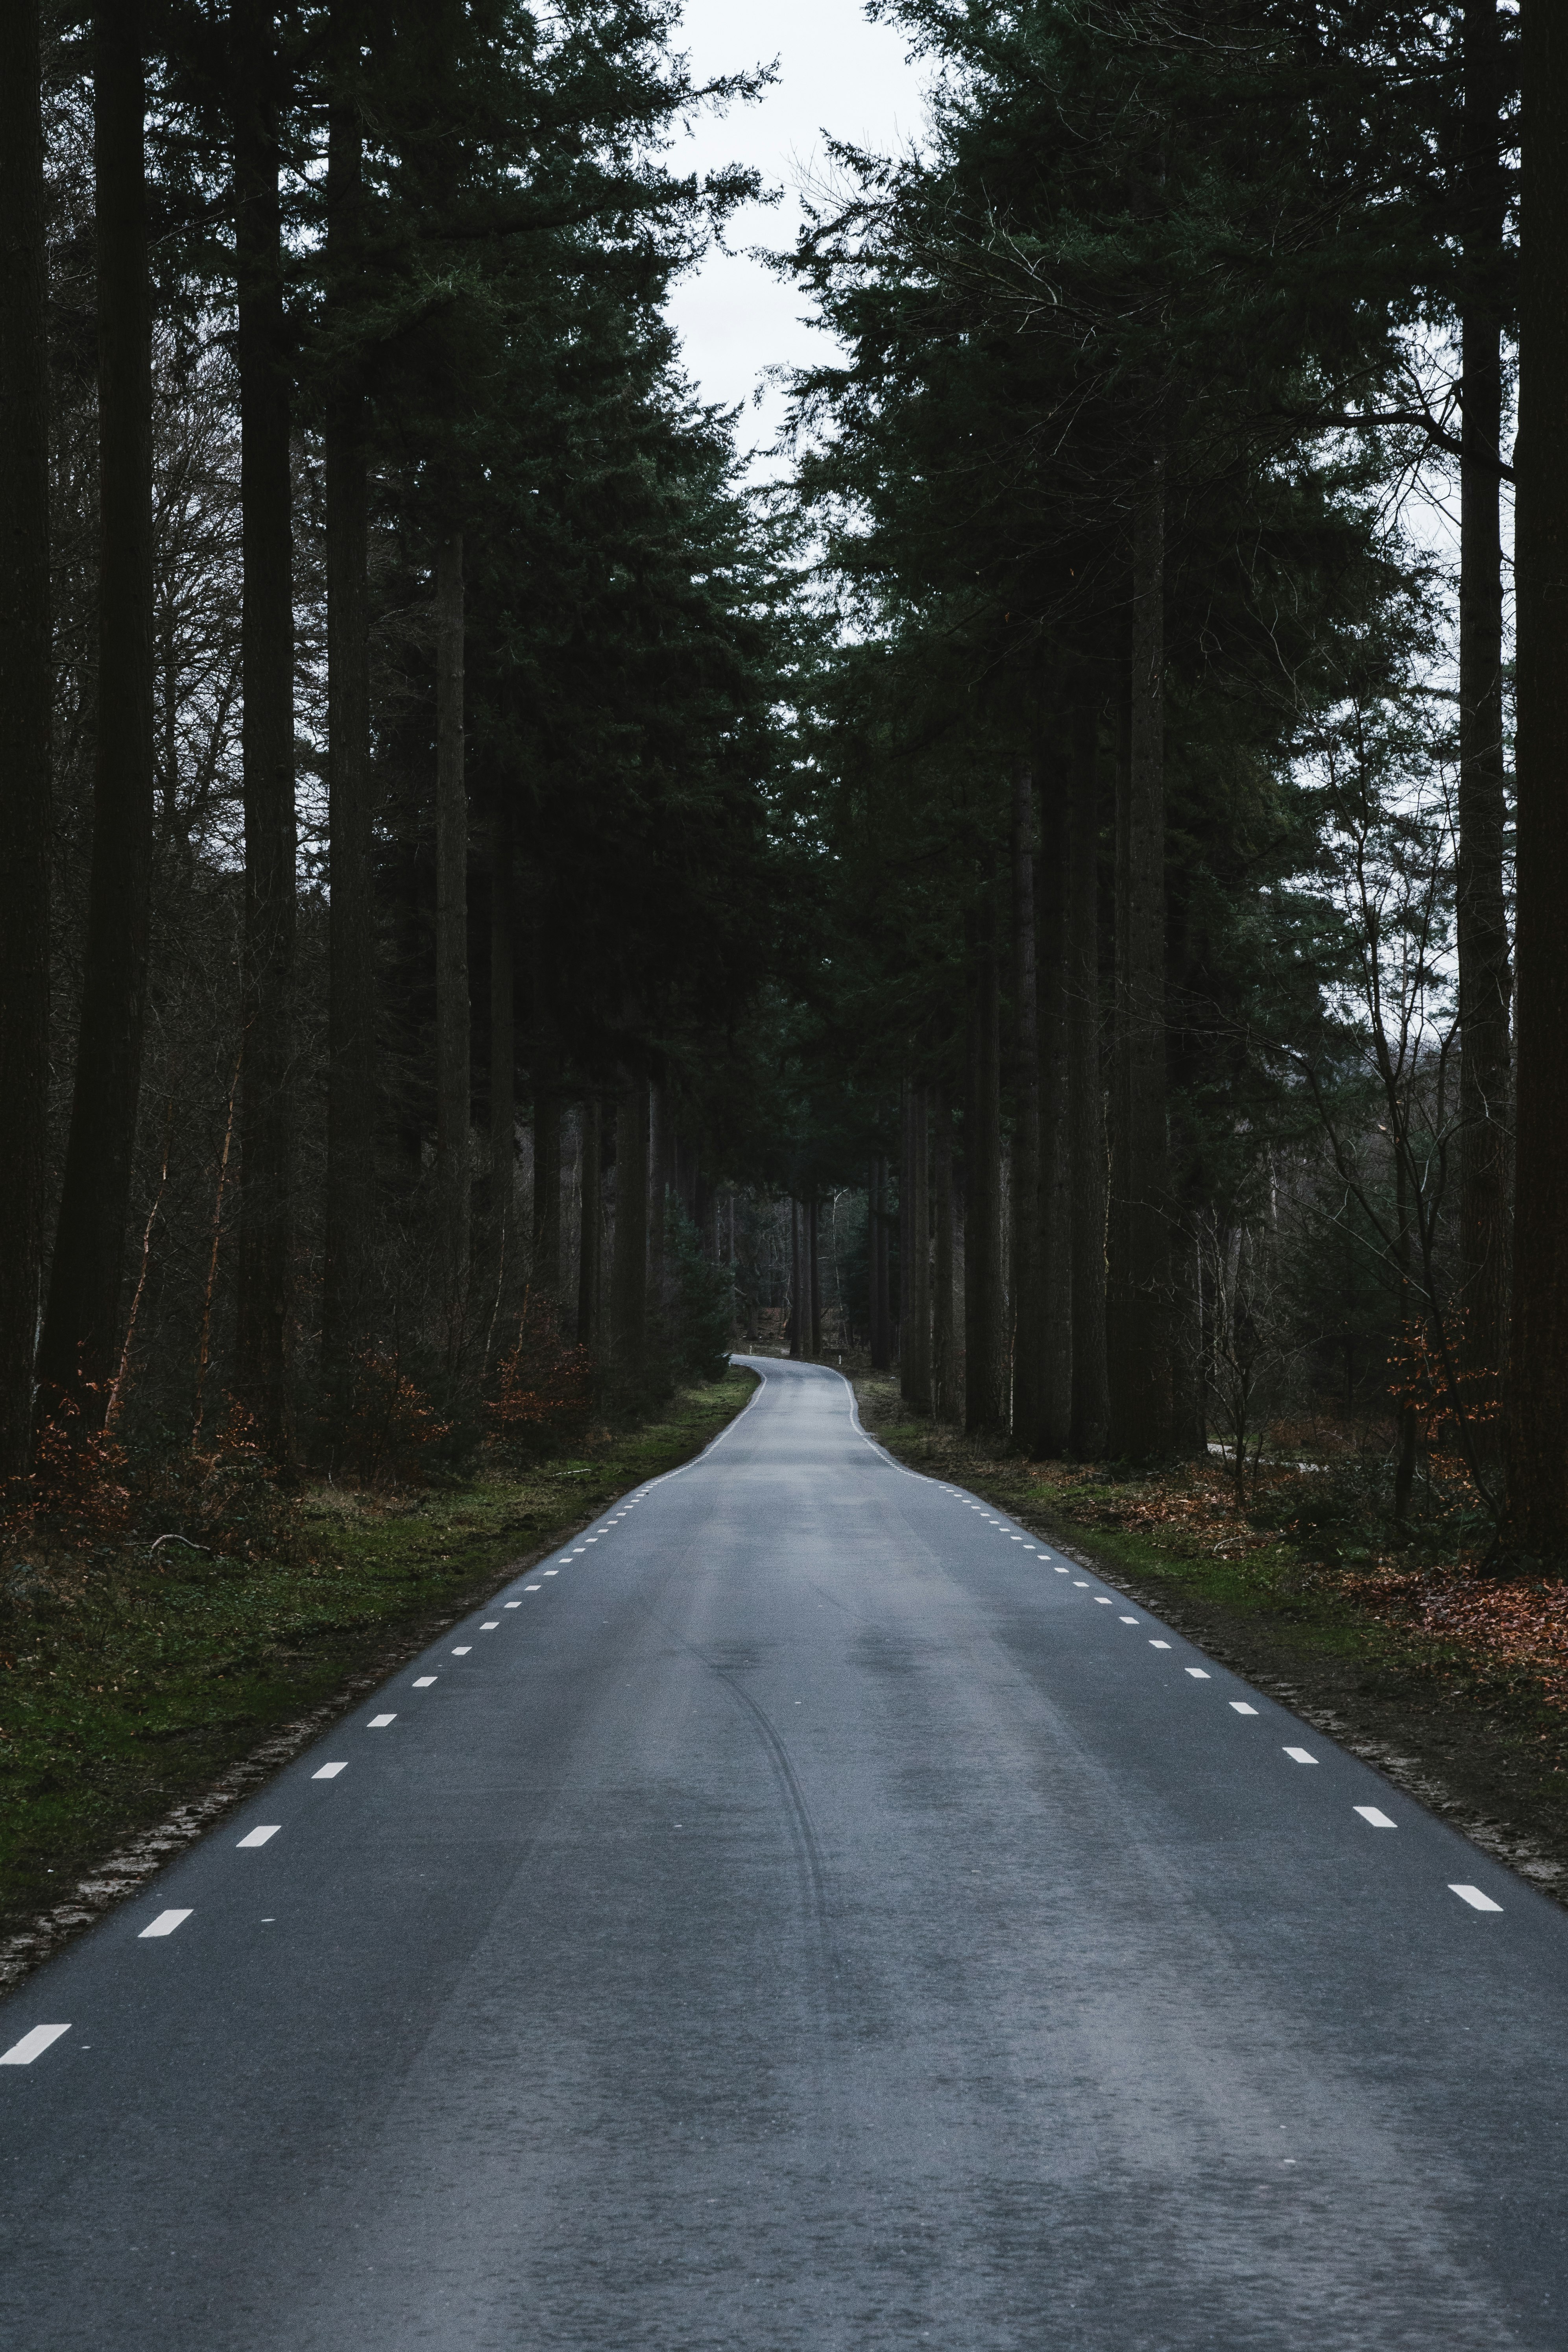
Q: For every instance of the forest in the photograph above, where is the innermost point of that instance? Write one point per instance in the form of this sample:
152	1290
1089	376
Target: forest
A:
1049	893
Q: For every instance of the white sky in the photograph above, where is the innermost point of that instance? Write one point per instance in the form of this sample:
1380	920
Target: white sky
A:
837	73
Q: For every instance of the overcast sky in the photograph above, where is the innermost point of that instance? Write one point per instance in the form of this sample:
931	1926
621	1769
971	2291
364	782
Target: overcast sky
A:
837	73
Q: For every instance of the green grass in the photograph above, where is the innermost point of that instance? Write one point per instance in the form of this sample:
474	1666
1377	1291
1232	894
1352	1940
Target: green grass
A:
132	1698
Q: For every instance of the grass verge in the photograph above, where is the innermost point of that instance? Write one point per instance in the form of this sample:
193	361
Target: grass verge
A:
160	1692
1481	1740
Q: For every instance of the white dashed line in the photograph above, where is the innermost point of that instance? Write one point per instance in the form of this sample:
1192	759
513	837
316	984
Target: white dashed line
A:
1081	1583
259	1835
380	1722
1241	1706
1198	1673
1474	1897
491	1625
1301	1755
512	1604
423	1682
1130	1621
552	1571
1105	1601
1063	1571
533	1588
31	2046
1159	1645
1378	1821
588	1539
464	1652
163	1925
329	1772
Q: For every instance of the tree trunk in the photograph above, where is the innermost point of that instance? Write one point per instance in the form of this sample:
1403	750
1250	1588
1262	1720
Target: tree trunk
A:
1483	950
503	1058
1054	1202
943	1328
266	737
81	1329
814	1263
629	1271
453	1179
350	1251
916	1253
877	1240
1086	1094
1028	1304
546	1172
1138	1365
1537	1457
795	1281
984	1399
590	1232
661	1175
26	703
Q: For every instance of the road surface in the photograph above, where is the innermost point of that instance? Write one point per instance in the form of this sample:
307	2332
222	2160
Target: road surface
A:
806	1912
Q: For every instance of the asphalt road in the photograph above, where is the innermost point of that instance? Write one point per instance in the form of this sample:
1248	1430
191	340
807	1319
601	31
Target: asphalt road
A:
804	1915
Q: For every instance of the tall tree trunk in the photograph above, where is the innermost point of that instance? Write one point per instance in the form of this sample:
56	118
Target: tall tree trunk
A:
795	1282
876	1239
814	1283
350	916
916	1252
453	1181
267	736
1053	1207
503	1056
629	1271
25	702
80	1327
661	1176
1139	1367
1086	1093
546	1171
984	1398
1537	1457
1028	1304
591	1229
1483	950
944	1329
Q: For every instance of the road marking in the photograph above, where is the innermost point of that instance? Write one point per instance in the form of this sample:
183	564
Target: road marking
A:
463	1651
533	1588
1378	1821
512	1604
565	1562
1105	1601
380	1722
259	1836
1159	1645
329	1772
1301	1755
31	2046
491	1625
1474	1897
1081	1583
1198	1673
423	1682
1130	1621
552	1571
1241	1706
588	1539
163	1925
1063	1571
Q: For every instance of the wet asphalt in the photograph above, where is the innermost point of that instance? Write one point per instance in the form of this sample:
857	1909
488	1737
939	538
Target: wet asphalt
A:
805	1912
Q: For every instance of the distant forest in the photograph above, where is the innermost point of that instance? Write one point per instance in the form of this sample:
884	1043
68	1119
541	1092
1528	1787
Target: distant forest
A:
1053	891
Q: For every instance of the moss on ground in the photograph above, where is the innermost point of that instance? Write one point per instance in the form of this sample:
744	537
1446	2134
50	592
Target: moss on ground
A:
1477	1740
134	1693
